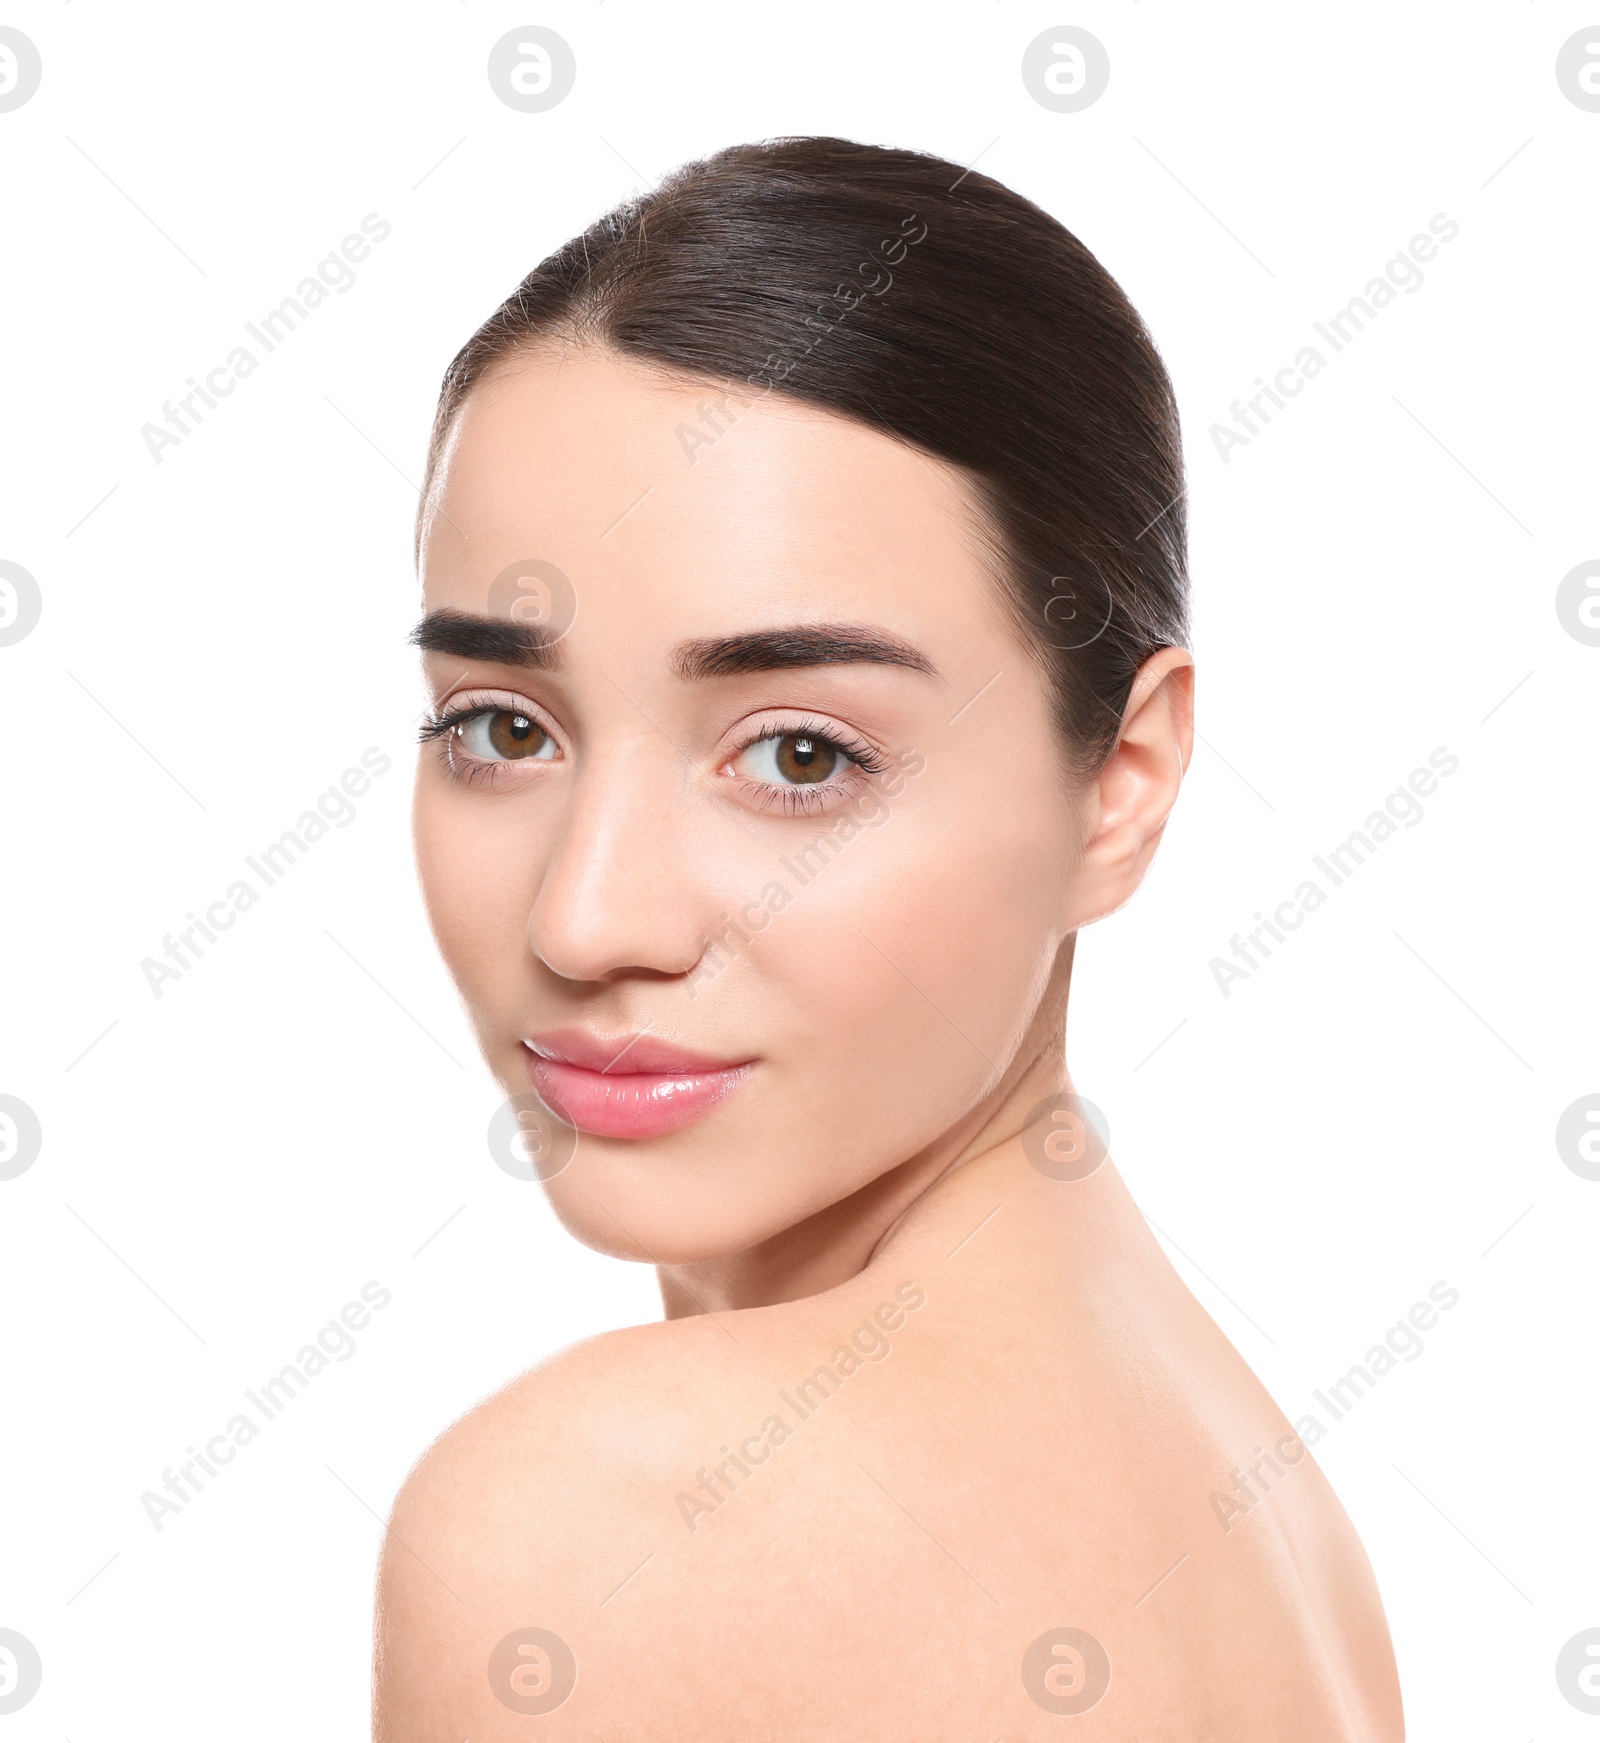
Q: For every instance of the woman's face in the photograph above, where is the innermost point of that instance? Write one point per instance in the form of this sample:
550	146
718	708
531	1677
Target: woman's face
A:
758	873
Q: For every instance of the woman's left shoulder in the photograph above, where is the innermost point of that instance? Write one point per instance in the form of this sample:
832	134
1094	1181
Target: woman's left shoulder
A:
546	1501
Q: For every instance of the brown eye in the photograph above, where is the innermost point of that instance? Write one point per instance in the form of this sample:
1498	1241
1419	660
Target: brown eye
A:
805	759
504	735
790	760
515	735
793	759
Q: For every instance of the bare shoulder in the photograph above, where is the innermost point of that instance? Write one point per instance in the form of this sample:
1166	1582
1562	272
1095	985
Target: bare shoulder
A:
580	1528
608	1418
935	1494
518	1516
616	1393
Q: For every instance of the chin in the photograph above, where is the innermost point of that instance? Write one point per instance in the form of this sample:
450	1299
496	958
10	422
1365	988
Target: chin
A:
641	1202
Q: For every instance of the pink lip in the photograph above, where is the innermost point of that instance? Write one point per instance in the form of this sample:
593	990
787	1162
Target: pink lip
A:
627	1086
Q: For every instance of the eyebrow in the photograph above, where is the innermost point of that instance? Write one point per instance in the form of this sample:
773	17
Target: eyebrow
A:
503	642
498	640
810	644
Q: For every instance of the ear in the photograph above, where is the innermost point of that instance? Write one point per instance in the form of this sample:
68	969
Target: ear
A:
1127	804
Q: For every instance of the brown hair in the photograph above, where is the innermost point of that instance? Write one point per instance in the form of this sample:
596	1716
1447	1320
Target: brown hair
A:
939	308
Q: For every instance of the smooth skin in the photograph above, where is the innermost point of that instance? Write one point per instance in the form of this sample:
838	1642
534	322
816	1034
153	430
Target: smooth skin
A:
1037	1413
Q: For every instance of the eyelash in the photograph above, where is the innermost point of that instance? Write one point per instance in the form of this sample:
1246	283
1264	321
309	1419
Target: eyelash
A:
794	801
443	724
798	801
470	771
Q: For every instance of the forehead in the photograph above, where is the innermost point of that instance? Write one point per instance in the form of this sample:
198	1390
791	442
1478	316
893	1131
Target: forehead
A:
706	509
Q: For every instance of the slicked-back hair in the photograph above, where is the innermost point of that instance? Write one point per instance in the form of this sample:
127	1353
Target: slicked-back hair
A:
939	308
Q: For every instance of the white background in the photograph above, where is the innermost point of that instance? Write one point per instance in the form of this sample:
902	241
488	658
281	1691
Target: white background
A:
1374	576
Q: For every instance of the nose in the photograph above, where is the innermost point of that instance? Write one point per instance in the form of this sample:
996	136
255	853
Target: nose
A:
619	894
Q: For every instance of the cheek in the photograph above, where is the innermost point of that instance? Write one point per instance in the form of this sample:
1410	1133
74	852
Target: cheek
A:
478	880
913	963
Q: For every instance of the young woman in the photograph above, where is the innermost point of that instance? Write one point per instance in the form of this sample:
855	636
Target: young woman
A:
805	623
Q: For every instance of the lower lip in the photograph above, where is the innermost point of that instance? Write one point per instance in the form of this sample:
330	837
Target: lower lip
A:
630	1104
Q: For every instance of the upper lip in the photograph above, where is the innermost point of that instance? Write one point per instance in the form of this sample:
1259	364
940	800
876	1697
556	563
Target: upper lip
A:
622	1054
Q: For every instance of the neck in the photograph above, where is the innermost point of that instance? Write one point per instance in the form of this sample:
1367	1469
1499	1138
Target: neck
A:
838	1243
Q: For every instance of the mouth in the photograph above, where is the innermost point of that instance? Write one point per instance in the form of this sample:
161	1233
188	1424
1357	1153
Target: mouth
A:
627	1086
